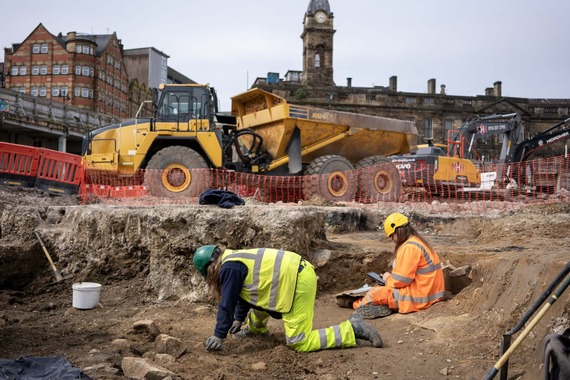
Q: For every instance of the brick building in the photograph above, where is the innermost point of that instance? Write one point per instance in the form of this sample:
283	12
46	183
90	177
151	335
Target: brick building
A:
83	70
434	112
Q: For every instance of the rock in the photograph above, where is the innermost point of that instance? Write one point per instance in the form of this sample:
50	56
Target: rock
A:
140	368
320	258
122	344
147	327
258	366
459	278
202	310
444	371
164	359
165	344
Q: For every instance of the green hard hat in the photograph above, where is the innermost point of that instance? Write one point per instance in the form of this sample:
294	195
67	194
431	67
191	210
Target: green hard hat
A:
202	257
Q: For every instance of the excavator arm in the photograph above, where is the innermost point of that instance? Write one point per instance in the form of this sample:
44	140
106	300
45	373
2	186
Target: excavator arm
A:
460	143
524	149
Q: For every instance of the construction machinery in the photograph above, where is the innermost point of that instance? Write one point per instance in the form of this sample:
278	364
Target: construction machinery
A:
460	168
265	135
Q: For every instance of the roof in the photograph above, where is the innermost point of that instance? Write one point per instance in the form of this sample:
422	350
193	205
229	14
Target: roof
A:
319	5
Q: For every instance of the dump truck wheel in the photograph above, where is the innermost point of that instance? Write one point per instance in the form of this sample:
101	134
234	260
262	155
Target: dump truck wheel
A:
378	180
331	177
169	173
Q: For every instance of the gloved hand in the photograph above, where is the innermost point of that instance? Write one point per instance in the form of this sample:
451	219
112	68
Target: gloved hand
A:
236	327
213	343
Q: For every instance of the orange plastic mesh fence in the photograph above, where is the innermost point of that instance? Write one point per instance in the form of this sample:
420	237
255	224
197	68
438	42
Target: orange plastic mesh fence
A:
492	186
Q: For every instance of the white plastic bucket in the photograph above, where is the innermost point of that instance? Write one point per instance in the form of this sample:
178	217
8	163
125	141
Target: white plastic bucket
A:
86	295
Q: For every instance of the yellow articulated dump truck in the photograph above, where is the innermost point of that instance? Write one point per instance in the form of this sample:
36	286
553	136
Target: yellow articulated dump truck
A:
265	136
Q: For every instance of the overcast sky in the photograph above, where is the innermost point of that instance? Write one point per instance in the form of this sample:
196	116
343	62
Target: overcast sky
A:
466	45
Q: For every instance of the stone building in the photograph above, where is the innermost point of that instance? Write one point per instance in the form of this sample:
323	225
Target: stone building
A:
434	112
148	68
84	70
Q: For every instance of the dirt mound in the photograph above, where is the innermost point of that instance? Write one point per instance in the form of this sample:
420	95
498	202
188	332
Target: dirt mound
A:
140	255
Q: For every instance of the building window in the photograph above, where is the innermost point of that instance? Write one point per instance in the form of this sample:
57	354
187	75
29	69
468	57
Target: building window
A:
428	100
55	91
22	89
91	72
35	70
55	69
84	92
22	70
410	100
447	126
64	69
85	49
370	96
43	91
77	92
34	91
44	48
550	110
43	69
15	70
63	91
428	130
85	71
35	48
77	70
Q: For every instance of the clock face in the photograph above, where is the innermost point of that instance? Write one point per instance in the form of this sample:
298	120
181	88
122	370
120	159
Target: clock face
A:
320	17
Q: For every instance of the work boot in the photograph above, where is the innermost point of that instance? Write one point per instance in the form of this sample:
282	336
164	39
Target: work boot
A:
364	331
247	333
373	311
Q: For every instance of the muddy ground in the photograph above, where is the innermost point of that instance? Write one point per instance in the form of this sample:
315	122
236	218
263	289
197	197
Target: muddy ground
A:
140	256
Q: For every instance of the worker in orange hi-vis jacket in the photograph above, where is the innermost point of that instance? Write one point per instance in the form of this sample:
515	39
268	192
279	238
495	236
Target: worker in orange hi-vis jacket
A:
416	281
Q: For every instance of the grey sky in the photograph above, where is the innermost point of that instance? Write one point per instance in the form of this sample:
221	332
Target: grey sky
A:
466	45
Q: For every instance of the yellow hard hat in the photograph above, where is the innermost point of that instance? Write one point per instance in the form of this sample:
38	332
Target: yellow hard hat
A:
394	221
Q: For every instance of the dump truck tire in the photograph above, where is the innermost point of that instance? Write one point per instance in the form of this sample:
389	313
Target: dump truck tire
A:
331	177
378	180
171	173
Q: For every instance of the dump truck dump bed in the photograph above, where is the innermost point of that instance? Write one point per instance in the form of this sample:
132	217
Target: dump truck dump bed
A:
354	136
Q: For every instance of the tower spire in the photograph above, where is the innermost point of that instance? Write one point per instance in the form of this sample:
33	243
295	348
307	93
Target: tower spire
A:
317	38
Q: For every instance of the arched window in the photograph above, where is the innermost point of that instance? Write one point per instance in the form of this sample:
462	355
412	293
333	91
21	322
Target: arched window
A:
320	56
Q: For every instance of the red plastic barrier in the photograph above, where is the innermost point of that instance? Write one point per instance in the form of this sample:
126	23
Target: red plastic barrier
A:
18	165
128	191
59	172
498	186
98	190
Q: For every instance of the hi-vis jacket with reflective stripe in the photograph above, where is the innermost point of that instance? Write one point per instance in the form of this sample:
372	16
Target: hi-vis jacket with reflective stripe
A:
271	277
417	277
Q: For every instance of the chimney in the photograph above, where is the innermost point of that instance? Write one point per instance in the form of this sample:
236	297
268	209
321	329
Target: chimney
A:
442	91
394	83
489	91
348	82
497	89
431	86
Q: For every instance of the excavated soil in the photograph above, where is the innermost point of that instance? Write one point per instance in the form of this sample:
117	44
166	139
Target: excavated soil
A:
140	256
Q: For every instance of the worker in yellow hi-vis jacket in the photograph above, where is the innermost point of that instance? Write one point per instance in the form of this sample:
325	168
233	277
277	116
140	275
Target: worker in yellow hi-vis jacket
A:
263	283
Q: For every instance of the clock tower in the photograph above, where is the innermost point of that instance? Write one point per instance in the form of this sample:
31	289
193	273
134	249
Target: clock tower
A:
317	38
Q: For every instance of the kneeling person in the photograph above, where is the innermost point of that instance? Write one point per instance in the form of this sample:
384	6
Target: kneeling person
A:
272	283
